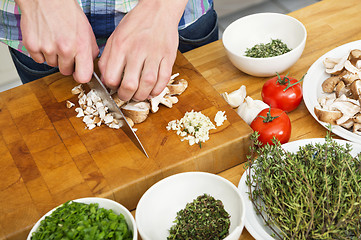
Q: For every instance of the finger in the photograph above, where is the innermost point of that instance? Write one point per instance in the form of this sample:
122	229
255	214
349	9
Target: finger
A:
83	67
165	71
113	71
51	59
148	79
103	60
130	81
66	65
37	57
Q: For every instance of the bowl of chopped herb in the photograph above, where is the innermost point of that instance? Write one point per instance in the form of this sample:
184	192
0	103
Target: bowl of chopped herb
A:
191	205
86	218
264	44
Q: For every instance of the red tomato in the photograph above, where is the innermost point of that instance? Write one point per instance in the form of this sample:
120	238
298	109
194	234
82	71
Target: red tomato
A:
272	122
282	92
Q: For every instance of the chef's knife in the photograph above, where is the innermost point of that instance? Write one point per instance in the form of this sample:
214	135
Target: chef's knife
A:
97	85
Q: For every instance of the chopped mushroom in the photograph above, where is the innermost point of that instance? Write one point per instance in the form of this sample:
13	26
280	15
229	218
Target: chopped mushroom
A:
155	101
69	104
137	111
177	87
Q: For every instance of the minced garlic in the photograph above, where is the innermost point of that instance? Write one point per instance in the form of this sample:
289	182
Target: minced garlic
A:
220	118
194	127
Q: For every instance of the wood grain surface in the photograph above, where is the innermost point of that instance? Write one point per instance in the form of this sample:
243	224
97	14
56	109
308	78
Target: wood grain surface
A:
47	157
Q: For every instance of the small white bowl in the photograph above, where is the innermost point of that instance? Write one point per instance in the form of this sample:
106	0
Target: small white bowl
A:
254	29
102	203
158	207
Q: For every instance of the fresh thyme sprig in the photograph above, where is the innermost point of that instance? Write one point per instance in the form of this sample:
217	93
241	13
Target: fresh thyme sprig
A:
314	193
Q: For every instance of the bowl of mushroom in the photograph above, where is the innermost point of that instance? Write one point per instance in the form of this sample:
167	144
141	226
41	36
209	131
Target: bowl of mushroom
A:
332	90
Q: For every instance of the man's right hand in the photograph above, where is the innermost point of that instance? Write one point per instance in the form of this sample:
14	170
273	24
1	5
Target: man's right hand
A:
58	32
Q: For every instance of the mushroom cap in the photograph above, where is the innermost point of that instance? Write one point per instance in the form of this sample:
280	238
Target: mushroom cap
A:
355	88
137	111
330	83
117	100
177	87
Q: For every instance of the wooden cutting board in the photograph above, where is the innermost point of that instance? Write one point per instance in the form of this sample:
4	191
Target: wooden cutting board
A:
48	157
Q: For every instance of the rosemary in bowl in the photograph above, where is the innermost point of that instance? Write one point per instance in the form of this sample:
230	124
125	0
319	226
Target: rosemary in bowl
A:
204	218
274	48
312	193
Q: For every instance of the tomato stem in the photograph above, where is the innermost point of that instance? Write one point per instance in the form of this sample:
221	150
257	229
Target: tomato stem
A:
285	80
268	117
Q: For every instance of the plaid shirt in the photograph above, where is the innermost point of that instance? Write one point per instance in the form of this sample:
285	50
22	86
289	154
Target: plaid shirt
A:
103	15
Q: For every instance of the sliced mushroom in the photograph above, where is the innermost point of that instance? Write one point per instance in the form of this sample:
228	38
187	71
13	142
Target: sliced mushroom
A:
130	121
177	87
351	68
235	98
349	78
340	89
117	100
155	101
331	62
357	128
356	89
347	108
330	83
337	69
327	116
355	54
172	99
348	124
137	111
357	118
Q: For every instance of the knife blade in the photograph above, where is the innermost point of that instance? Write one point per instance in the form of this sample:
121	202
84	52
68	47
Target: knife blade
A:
97	85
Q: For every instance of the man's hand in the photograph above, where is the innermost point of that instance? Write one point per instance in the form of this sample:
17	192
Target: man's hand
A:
58	32
139	55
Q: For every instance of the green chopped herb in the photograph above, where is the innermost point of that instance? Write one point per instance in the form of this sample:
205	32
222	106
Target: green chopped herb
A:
204	218
314	193
75	220
275	48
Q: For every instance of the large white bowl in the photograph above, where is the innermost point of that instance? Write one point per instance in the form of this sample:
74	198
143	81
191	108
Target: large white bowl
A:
102	203
158	207
261	28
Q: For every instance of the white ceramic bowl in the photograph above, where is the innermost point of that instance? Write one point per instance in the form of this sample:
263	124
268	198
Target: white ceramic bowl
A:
102	203
158	207
258	28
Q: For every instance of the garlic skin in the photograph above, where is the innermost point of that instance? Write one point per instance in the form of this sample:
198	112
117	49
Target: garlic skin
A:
235	98
249	109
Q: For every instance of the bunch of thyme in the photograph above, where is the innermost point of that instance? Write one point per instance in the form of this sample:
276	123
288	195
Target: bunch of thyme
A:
275	48
314	193
204	218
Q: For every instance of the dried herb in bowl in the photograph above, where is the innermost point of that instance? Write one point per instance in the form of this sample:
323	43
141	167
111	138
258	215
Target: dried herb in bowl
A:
314	193
74	220
204	218
275	48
